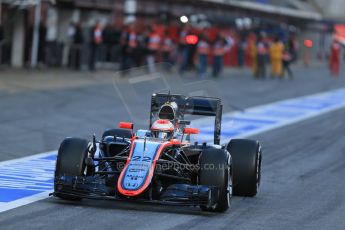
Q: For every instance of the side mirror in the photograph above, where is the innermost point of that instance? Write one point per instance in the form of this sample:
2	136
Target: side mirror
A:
191	131
126	125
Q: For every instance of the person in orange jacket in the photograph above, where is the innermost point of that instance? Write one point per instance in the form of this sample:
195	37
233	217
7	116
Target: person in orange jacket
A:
334	59
276	55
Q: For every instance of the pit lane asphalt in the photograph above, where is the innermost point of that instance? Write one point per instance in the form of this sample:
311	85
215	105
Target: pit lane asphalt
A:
303	166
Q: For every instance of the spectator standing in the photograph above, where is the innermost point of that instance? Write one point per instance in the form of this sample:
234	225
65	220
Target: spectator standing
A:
287	59
293	48
68	45
241	51
1	33
276	56
116	42
220	46
167	49
203	49
124	47
107	40
308	45
184	49
130	47
334	59
140	53
42	44
153	46
1	42
262	51
96	41
111	40
252	50
78	40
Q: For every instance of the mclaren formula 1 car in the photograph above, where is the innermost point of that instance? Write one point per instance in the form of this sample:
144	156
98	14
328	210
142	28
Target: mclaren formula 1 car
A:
161	165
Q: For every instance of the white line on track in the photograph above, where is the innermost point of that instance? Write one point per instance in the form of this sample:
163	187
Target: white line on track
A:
24	201
148	77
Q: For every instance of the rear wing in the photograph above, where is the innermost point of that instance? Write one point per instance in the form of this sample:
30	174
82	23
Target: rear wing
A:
195	105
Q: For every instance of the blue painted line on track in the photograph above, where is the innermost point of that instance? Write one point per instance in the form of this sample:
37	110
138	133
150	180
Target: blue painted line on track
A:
261	118
248	120
25	178
8	195
280	114
307	106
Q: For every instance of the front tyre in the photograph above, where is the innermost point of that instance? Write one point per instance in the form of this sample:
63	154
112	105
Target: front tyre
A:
246	156
70	162
216	170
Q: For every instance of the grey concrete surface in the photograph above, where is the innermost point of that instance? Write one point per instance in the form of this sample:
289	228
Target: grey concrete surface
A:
40	108
303	165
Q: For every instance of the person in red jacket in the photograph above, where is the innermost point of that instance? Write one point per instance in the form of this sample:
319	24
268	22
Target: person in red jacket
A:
334	59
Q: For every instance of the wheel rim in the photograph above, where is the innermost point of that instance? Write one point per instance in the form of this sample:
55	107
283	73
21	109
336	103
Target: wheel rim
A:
229	187
258	170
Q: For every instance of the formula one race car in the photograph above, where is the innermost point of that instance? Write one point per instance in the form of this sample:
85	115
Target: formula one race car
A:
160	165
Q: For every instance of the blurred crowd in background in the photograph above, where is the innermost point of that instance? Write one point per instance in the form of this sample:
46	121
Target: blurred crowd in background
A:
203	50
186	47
189	48
198	38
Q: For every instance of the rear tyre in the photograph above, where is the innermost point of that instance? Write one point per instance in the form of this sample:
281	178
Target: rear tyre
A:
70	162
118	132
246	156
216	170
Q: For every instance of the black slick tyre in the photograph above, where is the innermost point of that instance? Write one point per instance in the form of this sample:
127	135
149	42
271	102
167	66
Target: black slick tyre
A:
246	157
216	170
70	162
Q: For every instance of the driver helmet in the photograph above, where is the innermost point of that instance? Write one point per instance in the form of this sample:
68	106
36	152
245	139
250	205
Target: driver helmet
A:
163	129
